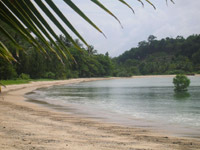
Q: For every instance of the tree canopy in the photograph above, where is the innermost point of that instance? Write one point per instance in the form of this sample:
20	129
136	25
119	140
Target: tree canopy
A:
166	56
181	83
34	64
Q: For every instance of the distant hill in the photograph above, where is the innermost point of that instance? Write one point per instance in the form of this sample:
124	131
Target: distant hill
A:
165	56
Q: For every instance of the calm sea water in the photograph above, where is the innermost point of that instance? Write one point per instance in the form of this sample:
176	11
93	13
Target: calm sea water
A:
147	102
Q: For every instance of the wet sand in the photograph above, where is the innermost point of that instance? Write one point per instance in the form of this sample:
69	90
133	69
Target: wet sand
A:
28	126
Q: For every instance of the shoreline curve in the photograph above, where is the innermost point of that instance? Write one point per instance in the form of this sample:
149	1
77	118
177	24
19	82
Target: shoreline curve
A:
25	125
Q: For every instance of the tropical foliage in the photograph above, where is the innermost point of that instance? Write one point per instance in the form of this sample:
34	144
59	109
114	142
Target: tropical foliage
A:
34	64
181	83
24	17
166	56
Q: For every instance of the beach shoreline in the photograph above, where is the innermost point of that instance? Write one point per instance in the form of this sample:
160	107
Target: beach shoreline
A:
25	125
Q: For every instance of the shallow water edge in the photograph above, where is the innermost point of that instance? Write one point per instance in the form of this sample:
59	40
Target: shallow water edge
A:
122	119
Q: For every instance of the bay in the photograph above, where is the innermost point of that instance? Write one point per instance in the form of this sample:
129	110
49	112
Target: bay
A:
140	102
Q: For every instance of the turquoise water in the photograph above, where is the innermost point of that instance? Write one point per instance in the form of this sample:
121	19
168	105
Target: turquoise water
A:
149	102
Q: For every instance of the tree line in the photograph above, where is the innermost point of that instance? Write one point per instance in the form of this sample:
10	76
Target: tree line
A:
34	64
166	56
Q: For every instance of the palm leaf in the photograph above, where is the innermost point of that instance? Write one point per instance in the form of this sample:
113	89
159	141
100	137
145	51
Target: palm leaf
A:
5	53
151	4
40	26
31	23
125	3
22	15
11	39
105	9
46	25
171	1
55	21
78	11
65	20
8	17
141	2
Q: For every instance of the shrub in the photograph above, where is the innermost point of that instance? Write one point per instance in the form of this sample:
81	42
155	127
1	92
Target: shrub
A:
181	82
198	72
175	72
49	75
24	76
7	71
124	74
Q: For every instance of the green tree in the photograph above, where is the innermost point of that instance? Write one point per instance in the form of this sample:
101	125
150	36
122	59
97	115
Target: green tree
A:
151	38
181	83
165	56
7	71
91	50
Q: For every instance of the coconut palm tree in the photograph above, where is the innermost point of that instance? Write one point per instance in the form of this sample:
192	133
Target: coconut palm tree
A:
24	17
91	50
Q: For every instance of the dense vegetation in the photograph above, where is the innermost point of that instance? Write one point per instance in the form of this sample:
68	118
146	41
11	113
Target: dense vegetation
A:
165	56
181	83
35	64
25	14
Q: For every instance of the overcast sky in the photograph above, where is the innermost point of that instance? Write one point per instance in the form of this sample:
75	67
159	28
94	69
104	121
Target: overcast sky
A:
181	18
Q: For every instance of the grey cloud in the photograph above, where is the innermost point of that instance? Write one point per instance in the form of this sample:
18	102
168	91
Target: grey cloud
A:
183	18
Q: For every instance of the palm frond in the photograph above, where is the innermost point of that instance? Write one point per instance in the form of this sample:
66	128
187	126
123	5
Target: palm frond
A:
141	2
151	4
24	17
106	10
125	3
5	53
11	39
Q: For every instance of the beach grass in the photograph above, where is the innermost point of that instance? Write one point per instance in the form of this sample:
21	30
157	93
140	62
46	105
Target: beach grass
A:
21	81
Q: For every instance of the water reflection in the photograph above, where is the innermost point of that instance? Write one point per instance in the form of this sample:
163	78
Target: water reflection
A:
183	95
142	98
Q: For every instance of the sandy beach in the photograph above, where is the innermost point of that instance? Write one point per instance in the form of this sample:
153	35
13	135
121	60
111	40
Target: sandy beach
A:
29	126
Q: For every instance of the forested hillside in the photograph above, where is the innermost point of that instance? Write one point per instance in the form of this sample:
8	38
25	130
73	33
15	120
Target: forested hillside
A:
165	56
34	64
